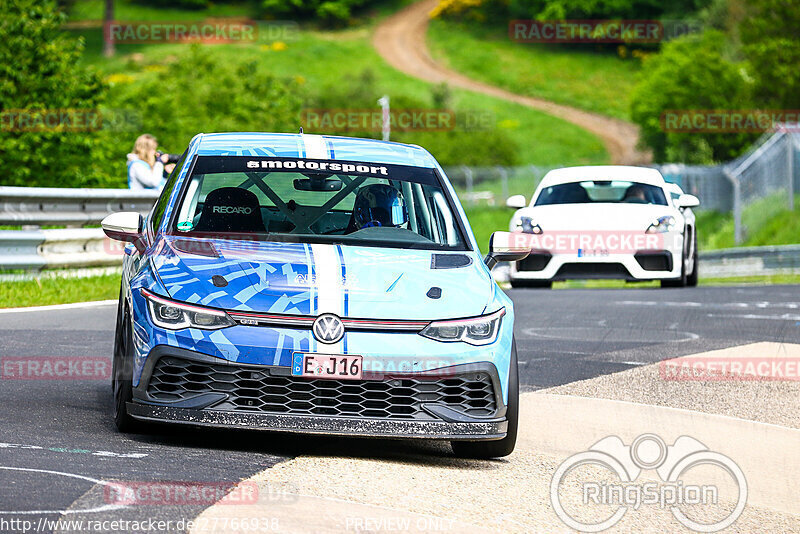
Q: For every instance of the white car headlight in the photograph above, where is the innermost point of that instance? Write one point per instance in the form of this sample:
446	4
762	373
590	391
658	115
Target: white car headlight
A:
527	226
661	225
475	330
174	315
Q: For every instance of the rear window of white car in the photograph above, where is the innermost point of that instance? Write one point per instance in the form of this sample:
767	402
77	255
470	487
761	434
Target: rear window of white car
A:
605	191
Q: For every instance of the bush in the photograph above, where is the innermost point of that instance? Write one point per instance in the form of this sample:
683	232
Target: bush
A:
460	146
181	4
690	73
201	92
331	12
770	43
567	9
39	71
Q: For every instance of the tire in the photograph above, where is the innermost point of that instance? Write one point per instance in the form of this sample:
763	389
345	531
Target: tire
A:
122	372
680	282
485	450
691	280
539	284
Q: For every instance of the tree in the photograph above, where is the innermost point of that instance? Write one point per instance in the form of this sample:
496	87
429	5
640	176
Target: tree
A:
690	73
39	73
771	43
108	18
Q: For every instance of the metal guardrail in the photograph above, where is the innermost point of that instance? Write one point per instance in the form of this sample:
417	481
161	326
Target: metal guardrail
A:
42	206
57	249
33	249
750	261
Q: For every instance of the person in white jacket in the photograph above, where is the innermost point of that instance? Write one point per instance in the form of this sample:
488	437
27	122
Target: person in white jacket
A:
145	171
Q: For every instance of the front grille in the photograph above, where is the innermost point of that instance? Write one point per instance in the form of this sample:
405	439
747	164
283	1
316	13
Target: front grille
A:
592	270
256	390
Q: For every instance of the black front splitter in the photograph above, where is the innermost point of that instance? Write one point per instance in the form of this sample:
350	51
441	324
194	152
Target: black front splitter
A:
341	426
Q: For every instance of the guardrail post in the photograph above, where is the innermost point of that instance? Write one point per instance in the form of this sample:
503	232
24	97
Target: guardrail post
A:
790	169
737	207
504	182
468	176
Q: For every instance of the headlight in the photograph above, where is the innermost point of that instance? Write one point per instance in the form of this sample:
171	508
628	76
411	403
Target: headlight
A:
174	315
661	225
475	331
527	226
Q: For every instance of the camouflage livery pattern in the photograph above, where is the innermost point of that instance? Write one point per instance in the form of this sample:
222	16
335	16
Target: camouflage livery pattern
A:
311	279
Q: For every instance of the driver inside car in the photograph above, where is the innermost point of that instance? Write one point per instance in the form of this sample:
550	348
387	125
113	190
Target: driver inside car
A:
378	205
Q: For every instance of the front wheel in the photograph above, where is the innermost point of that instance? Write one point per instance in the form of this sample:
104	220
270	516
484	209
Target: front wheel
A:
122	372
682	281
501	447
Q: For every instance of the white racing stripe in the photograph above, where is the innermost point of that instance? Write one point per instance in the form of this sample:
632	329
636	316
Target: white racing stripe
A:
315	146
330	290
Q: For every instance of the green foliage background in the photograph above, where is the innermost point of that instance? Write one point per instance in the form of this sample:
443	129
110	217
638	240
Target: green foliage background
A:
39	71
174	96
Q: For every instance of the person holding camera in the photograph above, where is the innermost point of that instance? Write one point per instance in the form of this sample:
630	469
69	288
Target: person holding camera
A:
148	168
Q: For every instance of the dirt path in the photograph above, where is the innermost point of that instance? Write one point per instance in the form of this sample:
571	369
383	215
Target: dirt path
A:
400	39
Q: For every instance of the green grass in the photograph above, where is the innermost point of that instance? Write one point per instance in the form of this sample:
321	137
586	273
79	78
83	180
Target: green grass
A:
126	10
58	290
485	220
129	10
323	59
578	76
766	222
777	279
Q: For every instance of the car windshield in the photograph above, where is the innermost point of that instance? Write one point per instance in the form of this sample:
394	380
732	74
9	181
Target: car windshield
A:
606	191
290	199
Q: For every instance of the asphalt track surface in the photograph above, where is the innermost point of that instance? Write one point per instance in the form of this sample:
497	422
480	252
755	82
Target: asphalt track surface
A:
52	431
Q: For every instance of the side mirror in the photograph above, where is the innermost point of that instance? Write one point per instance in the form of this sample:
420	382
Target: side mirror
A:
688	201
507	246
125	226
516	202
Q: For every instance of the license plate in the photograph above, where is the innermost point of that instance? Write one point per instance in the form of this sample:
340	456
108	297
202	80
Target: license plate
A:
591	252
333	366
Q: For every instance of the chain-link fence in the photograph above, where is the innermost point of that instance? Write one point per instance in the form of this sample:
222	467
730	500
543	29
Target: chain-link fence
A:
754	186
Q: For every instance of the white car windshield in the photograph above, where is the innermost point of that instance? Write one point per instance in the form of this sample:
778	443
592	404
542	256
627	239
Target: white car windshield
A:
606	191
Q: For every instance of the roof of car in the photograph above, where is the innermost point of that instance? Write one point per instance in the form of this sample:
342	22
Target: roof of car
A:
298	145
643	175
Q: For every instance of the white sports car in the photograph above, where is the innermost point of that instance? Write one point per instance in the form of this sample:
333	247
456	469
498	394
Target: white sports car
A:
605	222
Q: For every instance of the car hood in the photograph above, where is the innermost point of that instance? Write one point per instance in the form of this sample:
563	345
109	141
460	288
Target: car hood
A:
596	217
309	279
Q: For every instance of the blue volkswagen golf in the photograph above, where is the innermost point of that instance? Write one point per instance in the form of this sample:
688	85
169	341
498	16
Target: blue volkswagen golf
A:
314	284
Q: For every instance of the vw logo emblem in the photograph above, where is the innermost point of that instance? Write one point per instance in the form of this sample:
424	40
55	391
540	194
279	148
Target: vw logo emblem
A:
328	328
